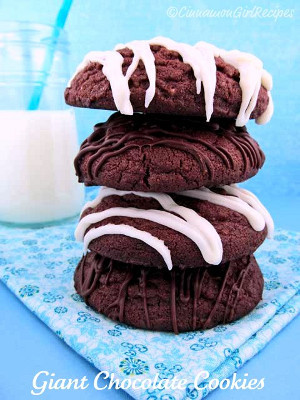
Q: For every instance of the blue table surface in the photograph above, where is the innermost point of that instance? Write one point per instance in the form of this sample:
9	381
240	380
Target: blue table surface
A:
27	346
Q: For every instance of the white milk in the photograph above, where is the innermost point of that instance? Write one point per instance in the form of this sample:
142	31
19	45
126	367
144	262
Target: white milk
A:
37	177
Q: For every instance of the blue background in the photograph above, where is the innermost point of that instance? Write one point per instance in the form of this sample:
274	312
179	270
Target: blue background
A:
26	345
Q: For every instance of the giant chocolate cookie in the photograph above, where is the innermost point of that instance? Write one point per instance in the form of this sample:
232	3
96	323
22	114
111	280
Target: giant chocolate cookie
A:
175	87
151	298
166	154
231	228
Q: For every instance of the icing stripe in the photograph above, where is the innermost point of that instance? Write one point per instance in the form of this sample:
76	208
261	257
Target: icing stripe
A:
141	51
112	62
146	237
201	59
196	228
211	248
267	115
245	203
168	204
206	237
254	202
255	219
252	76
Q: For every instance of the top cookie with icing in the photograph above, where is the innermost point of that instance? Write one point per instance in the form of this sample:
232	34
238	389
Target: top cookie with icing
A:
163	76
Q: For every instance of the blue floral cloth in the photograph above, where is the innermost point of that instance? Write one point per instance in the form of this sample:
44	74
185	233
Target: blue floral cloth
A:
38	265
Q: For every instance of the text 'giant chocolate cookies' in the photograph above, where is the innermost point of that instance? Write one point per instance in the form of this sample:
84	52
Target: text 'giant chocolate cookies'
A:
167	154
178	301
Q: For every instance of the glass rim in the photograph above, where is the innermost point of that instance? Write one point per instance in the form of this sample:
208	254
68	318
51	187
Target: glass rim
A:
11	26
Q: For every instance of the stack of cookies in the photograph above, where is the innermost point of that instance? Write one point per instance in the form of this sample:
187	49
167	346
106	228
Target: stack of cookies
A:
169	240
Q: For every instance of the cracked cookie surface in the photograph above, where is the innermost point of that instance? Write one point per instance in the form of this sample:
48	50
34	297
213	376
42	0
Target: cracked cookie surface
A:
167	154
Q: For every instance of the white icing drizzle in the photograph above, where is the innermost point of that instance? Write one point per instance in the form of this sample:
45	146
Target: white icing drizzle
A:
196	228
201	59
253	201
141	51
111	229
252	76
255	217
267	114
112	68
191	224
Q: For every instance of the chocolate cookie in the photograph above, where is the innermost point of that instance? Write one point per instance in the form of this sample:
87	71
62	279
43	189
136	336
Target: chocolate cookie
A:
166	154
179	301
176	230
175	87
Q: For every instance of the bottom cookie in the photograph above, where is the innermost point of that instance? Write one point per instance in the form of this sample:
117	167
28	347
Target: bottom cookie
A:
162	300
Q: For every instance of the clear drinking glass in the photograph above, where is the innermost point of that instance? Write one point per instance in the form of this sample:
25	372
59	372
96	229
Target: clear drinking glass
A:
37	147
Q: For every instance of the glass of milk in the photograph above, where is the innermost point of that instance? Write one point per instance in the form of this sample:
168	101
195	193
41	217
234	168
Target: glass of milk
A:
38	185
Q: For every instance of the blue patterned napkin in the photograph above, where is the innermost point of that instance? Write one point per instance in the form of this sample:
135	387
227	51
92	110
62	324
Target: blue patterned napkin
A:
38	265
